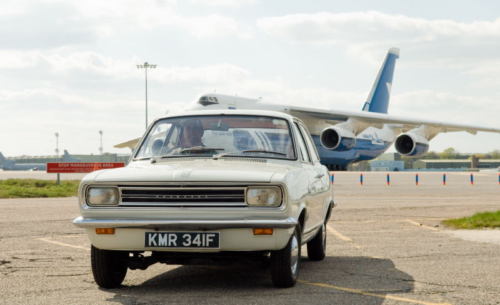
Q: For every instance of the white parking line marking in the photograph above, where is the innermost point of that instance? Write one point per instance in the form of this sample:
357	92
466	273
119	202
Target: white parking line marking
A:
420	225
380	296
341	236
47	240
338	234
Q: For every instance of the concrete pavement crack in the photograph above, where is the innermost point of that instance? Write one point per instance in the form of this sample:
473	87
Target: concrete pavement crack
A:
63	275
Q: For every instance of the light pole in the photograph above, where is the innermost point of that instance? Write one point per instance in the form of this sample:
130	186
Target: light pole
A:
57	144
100	147
146	66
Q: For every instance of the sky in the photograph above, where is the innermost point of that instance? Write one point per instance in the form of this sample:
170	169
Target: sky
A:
70	66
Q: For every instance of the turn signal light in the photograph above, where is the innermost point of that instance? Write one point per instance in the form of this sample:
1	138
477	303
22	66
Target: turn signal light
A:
263	231
104	230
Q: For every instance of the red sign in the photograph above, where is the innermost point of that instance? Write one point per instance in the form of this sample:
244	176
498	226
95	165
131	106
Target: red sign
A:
78	167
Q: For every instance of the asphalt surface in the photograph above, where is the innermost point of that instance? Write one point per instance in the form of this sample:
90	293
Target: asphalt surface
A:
385	246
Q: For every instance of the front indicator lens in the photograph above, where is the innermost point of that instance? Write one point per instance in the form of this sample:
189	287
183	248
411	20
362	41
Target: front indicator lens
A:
102	196
263	231
264	196
108	231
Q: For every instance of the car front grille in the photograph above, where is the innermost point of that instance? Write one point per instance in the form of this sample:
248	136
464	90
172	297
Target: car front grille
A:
182	196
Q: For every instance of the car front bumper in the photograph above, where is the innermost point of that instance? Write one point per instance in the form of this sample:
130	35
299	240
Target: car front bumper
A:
235	235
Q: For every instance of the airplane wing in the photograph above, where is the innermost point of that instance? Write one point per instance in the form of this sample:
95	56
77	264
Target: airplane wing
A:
373	119
130	144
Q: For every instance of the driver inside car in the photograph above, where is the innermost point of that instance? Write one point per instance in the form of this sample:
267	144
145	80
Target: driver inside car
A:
192	132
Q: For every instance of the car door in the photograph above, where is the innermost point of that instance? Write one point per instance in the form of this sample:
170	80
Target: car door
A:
308	175
319	187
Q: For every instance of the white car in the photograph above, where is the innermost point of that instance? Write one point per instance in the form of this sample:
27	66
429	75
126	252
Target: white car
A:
210	186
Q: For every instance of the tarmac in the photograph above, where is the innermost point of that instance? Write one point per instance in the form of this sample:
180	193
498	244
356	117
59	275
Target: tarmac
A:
385	246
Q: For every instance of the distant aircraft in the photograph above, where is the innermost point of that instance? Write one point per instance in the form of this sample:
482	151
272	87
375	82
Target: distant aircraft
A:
345	137
11	165
67	157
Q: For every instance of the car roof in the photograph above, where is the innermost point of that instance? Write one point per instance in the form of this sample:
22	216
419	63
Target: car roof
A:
271	113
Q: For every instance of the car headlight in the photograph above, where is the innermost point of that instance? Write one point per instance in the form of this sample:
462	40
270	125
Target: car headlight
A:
267	196
102	196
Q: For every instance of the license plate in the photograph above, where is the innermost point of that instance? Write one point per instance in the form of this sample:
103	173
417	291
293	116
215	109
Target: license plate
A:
182	239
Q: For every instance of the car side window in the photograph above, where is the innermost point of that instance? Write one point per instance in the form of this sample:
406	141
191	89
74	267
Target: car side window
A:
310	144
302	146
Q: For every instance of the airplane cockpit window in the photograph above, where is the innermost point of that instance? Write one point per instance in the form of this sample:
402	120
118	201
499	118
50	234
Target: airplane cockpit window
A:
219	135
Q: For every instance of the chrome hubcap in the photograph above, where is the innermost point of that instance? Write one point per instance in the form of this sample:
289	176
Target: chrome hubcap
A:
294	259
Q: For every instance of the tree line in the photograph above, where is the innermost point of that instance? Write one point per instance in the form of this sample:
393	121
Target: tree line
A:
452	153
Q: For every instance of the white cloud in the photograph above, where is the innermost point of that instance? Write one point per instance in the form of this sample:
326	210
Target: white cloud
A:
211	74
44	25
116	16
204	26
372	26
85	64
53	24
224	3
35	114
469	49
447	107
13	7
364	33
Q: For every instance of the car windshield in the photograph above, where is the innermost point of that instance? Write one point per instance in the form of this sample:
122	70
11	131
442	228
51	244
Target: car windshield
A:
219	136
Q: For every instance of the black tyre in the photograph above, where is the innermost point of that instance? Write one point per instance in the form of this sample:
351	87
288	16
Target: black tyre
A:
108	267
316	247
285	263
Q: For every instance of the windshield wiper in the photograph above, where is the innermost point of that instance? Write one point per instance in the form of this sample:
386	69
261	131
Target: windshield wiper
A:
264	151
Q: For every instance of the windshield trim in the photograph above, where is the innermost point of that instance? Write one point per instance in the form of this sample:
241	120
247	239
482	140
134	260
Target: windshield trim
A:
150	127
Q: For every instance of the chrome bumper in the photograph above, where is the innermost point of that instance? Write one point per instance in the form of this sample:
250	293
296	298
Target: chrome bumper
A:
183	224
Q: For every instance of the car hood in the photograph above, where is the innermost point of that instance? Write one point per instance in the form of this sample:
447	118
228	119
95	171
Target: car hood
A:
209	170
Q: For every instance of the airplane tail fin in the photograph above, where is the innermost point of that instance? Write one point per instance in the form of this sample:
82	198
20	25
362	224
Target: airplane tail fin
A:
378	99
67	157
2	158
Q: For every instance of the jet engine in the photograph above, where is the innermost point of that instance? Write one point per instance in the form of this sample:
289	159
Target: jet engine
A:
410	144
335	138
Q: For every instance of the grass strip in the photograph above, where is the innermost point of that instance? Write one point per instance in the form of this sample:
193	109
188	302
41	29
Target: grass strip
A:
476	221
32	188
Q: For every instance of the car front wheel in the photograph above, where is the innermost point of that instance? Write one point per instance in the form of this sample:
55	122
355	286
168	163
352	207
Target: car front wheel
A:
108	267
285	263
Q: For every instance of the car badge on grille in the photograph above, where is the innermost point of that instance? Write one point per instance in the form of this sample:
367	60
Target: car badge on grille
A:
182	196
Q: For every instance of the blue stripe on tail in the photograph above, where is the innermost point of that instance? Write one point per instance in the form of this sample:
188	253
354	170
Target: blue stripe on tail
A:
378	99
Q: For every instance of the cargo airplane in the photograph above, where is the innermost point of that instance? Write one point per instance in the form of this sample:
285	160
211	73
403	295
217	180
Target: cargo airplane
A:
344	137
